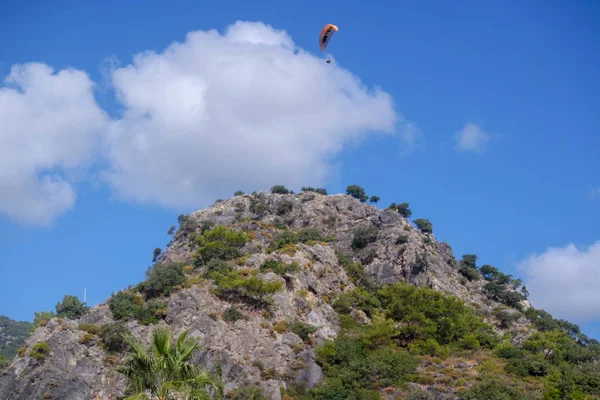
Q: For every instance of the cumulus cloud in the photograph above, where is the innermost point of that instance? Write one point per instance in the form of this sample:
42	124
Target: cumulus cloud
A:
244	109
472	138
565	281
239	110
50	126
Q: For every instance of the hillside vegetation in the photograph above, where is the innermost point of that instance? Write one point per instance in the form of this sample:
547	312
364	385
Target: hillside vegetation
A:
12	336
316	296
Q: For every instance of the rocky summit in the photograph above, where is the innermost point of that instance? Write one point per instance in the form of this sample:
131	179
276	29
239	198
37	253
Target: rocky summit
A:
316	296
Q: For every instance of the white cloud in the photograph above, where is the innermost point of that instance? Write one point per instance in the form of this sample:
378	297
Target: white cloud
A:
411	138
50	124
472	138
565	281
218	112
242	110
595	193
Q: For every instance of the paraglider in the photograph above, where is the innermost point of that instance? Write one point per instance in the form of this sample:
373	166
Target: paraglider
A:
325	36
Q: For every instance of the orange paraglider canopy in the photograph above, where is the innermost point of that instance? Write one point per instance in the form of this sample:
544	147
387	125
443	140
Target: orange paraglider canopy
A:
326	34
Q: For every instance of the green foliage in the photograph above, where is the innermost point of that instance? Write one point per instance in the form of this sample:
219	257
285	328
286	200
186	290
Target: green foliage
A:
162	279
39	351
505	318
171	230
374	199
126	305
217	265
235	285
238	193
41	318
403	209
232	314
284	207
220	243
350	366
316	190
363	237
360	299
426	313
248	393
468	267
424	225
279	267
357	192
489	273
156	253
122	305
258	206
495	389
497	293
283	239
89	328
4	362
279	189
355	271
163	370
70	307
12	335
301	329
112	335
402	239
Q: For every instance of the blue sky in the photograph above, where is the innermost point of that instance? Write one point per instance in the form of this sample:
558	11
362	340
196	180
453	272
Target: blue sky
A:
521	74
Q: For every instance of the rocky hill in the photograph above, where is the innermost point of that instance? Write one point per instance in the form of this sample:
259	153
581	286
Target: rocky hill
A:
315	296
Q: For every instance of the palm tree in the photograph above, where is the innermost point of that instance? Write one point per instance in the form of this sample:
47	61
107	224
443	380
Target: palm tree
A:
162	371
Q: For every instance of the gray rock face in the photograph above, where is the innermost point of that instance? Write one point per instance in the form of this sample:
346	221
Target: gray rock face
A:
253	350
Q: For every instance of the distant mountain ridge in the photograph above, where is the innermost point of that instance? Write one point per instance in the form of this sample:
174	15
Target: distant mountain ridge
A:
12	335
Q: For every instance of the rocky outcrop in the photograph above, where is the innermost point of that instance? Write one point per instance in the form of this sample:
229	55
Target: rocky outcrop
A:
255	349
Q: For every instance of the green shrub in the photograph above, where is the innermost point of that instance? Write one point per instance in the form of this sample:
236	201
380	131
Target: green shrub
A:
279	267
122	305
89	328
70	307
360	299
258	206
232	314
424	225
162	279
41	318
402	239
355	271
349	365
125	305
403	209
238	193
248	393
357	192
39	351
283	239
220	243
426	313
317	190
285	207
363	237
279	189
112	334
251	288
217	265
4	362
505	318
495	389
301	329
